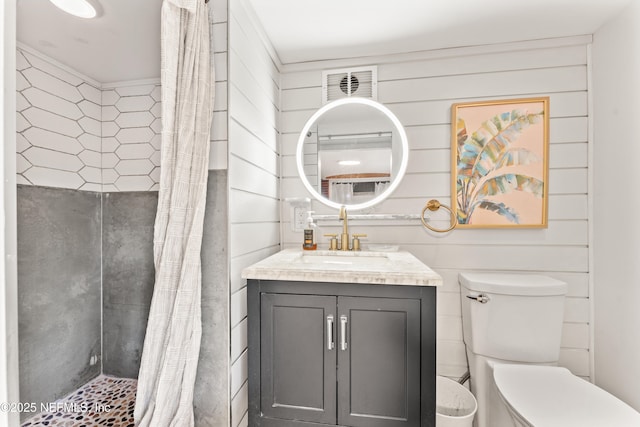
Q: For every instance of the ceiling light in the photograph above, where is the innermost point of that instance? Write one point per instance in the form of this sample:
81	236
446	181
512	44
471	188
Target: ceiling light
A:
79	8
349	162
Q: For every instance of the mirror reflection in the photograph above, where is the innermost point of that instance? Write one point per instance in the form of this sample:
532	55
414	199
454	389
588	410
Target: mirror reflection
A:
352	153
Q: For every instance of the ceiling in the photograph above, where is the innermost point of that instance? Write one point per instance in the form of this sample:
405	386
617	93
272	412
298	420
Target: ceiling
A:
123	42
306	30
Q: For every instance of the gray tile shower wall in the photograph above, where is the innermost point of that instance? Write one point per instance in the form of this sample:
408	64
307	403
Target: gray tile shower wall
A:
127	278
59	290
63	237
212	382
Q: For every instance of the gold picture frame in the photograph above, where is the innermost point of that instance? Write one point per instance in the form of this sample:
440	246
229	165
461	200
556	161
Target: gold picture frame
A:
499	163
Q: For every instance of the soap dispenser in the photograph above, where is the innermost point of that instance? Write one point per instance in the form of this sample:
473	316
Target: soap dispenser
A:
309	243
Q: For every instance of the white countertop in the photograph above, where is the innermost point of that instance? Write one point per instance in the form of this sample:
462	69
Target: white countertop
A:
386	268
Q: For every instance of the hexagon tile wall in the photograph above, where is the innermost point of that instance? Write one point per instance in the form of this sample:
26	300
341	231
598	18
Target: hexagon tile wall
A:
131	137
73	133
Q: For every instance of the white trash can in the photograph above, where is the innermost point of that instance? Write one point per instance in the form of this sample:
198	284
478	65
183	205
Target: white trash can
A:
455	405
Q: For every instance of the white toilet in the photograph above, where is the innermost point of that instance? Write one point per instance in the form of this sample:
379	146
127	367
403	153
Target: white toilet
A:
512	326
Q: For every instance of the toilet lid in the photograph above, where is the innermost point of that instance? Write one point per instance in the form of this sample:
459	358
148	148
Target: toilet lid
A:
513	284
547	396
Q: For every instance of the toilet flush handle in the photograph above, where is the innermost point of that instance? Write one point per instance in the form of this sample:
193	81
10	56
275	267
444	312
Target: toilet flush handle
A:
482	299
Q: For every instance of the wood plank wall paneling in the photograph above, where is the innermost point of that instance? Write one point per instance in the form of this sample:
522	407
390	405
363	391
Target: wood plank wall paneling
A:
219	131
254	180
420	93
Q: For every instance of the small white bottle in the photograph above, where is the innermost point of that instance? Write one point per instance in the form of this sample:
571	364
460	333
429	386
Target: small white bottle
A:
309	243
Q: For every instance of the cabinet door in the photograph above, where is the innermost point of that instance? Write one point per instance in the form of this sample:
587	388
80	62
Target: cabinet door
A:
298	366
378	362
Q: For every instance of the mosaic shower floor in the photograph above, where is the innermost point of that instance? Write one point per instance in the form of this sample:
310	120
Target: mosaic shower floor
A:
102	402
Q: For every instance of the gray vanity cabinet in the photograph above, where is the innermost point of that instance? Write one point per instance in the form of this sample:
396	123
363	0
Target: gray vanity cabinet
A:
379	365
341	354
298	372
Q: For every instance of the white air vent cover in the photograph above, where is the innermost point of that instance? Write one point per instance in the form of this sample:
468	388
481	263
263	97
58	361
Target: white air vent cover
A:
346	82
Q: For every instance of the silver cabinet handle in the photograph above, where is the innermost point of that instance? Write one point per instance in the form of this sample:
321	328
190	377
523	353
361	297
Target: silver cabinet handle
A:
343	332
330	342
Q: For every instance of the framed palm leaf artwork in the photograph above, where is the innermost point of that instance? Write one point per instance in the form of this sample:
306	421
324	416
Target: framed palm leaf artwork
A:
500	163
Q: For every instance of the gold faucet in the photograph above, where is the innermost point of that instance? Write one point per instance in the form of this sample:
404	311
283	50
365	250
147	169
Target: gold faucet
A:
344	237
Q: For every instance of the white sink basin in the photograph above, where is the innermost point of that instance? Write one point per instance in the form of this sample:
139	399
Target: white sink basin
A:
348	258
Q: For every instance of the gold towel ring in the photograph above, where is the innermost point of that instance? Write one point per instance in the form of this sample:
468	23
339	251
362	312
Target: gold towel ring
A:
433	205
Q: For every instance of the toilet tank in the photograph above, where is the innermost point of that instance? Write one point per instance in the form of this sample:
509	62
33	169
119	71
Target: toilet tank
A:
520	320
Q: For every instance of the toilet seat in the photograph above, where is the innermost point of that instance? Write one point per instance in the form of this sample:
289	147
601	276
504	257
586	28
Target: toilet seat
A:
546	396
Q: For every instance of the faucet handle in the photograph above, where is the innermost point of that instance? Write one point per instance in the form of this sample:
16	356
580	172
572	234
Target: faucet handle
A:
333	243
356	240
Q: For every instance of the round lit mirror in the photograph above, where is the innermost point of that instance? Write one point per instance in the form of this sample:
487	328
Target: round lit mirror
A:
352	152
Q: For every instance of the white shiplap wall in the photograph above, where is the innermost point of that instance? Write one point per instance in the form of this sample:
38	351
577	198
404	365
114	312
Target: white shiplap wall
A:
219	129
420	89
254	217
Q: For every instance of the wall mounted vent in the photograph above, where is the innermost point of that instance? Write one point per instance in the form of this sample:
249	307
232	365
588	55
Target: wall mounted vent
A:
346	82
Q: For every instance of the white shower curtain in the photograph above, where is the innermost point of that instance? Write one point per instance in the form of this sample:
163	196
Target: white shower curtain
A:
341	192
172	342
